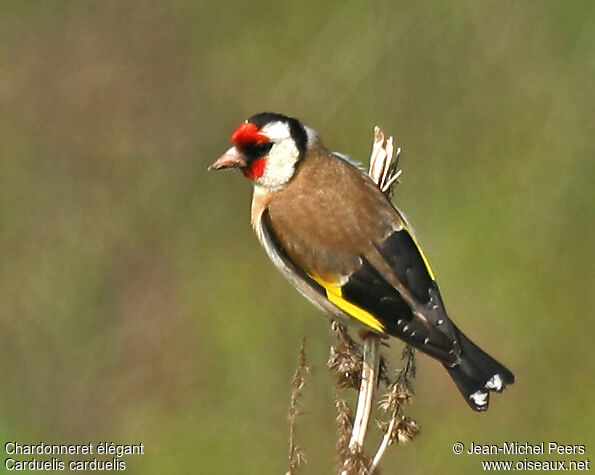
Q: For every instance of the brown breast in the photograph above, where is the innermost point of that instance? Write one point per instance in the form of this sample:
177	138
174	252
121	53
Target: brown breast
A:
329	215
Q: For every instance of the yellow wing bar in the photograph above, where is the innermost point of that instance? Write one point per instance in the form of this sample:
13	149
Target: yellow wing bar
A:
335	295
421	253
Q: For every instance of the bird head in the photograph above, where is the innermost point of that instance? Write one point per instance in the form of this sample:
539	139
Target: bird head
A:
267	148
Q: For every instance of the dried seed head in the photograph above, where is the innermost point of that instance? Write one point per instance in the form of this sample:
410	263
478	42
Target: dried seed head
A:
356	462
296	454
395	398
407	429
344	421
345	359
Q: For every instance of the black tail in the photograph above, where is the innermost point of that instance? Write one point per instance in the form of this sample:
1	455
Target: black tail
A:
478	374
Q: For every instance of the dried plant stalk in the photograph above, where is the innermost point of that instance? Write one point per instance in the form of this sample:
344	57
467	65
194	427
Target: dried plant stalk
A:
366	392
399	428
384	170
296	454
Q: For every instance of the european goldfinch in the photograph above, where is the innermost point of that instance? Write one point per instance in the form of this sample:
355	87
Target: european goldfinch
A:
338	239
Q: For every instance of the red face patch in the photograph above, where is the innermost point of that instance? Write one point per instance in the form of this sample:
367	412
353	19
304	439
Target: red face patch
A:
256	169
247	134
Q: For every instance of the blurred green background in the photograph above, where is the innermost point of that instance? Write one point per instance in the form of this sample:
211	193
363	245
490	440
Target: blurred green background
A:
135	303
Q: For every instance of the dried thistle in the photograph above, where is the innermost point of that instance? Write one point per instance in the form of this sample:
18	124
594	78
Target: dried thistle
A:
398	394
408	372
351	460
398	428
401	390
345	359
383	371
384	168
356	462
296	454
344	420
407	429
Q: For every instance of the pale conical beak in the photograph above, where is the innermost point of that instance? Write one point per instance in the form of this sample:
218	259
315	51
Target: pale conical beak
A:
233	158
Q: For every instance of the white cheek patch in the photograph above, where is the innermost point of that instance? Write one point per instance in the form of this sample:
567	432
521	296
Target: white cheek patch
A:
280	165
281	159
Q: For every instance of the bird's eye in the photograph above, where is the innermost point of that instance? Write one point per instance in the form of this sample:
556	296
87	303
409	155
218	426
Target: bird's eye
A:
257	150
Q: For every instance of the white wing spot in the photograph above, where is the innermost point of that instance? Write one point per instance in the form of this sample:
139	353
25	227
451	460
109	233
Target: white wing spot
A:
480	398
495	383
